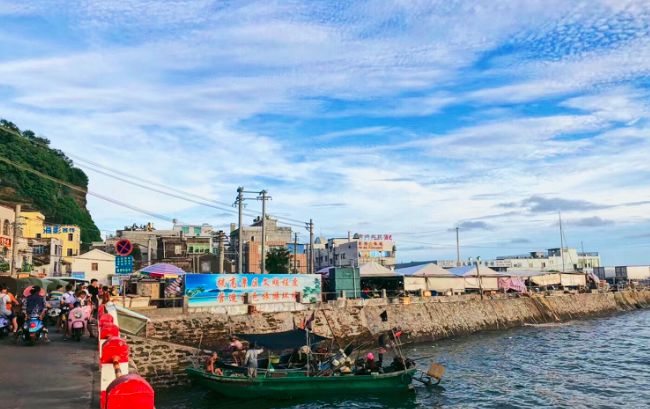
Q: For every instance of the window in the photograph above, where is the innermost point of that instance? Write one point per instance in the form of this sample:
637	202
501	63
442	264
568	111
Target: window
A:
70	237
94	266
177	250
38	235
69	252
5	228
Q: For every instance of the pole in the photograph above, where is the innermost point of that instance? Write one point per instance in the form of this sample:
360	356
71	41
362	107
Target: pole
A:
457	249
220	238
561	240
311	246
263	193
478	276
14	244
295	253
240	239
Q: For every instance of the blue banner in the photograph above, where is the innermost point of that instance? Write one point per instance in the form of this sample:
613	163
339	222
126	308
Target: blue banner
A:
228	289
123	265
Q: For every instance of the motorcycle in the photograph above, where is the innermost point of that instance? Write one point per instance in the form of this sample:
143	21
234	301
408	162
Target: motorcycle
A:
77	323
63	317
5	326
33	329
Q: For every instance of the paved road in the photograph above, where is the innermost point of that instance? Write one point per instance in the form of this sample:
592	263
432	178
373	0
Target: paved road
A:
58	375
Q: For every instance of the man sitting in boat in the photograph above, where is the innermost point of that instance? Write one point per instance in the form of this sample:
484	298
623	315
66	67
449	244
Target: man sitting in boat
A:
250	360
210	364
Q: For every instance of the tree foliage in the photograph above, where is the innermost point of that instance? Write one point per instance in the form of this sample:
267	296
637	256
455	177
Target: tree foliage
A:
277	260
59	204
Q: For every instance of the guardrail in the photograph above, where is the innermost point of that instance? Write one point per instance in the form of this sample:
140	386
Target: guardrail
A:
118	388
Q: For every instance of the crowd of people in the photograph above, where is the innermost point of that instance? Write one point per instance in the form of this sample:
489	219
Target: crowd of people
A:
62	302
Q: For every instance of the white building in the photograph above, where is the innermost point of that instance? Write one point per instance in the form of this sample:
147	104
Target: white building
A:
552	260
95	264
632	273
355	250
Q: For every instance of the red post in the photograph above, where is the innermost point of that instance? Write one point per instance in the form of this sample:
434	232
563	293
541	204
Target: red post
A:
129	391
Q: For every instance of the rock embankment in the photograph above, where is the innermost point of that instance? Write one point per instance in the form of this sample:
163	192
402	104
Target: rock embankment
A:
170	343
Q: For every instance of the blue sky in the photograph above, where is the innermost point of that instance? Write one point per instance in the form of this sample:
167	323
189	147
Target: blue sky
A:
397	117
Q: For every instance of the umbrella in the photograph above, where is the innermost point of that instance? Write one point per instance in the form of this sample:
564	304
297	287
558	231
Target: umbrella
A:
11	284
28	291
23	283
55	283
163	270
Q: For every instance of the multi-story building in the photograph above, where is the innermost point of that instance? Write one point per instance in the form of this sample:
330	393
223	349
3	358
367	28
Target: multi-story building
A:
35	227
7	220
96	264
23	261
355	250
556	259
276	236
47	256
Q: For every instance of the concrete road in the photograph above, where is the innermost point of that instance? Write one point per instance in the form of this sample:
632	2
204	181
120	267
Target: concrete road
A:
58	375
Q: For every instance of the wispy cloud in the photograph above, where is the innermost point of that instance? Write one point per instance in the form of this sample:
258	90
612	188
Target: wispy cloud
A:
393	116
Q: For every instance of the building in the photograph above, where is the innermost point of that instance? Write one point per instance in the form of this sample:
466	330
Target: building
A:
191	254
297	257
7	220
47	256
34	227
356	250
276	236
552	260
23	261
96	264
632	273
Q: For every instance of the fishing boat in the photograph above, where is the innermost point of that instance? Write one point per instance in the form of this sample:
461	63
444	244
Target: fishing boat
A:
330	374
297	384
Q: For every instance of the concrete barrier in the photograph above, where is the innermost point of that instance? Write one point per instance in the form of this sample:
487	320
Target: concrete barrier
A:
118	388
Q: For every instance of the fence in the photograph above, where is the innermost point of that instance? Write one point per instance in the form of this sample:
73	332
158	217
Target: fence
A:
118	388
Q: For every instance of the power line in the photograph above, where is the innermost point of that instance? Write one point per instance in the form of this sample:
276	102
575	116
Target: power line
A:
83	190
172	191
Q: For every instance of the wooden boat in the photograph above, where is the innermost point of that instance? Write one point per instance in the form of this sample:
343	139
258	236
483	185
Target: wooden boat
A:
297	384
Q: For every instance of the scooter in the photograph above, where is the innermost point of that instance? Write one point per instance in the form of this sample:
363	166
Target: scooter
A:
5	326
77	323
33	329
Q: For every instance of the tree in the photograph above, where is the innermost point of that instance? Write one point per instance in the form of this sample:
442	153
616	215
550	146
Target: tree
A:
277	260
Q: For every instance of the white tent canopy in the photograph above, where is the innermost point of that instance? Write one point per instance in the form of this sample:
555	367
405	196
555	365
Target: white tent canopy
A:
424	270
373	269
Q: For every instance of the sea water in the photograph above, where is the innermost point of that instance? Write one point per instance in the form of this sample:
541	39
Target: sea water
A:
600	362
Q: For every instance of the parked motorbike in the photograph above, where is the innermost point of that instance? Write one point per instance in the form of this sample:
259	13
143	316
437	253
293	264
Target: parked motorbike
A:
77	323
63	317
5	326
33	329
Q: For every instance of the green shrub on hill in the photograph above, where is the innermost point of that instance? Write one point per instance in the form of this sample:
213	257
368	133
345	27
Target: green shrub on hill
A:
59	204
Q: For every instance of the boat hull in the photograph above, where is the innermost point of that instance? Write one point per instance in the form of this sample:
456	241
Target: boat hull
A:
299	386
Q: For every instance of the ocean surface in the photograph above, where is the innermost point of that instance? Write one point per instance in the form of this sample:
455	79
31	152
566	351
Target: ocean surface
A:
594	363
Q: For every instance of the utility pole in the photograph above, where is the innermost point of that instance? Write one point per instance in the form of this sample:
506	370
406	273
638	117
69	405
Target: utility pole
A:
14	244
240	239
561	240
310	263
478	276
295	253
263	197
220	240
457	248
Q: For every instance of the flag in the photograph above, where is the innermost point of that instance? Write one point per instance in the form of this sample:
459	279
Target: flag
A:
307	322
384	316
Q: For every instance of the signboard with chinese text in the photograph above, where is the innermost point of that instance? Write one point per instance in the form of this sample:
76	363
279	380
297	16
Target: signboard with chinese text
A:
78	275
205	290
5	242
123	265
375	237
56	229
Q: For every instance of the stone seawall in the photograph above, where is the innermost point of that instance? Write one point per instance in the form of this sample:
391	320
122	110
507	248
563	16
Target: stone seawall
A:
173	338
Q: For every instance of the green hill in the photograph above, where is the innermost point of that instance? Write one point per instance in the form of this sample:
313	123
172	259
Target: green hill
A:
59	204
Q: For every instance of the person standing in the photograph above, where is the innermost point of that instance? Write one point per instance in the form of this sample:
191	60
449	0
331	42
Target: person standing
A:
251	360
7	302
93	291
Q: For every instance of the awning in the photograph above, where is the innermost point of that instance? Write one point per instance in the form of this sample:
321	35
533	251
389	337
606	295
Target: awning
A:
282	340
